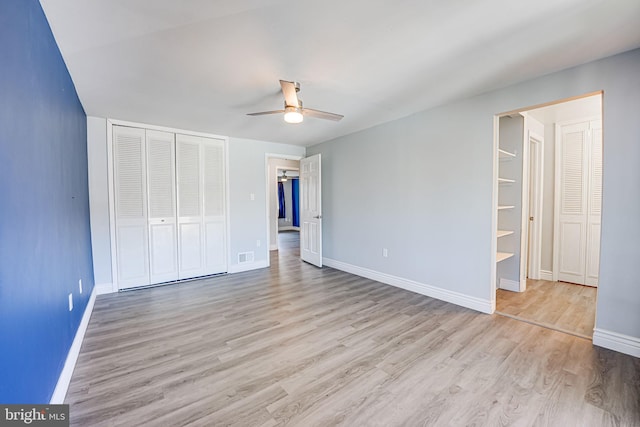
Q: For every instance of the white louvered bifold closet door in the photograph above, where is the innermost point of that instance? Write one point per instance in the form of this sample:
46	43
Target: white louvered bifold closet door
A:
580	155
163	249
201	206
594	204
189	186
573	203
130	188
170	206
214	220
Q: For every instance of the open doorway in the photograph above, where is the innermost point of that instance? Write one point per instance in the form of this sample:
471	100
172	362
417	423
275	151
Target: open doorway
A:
549	270
283	202
288	209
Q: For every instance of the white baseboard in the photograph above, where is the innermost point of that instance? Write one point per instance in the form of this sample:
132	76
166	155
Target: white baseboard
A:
457	298
104	288
546	275
247	266
62	386
510	285
618	342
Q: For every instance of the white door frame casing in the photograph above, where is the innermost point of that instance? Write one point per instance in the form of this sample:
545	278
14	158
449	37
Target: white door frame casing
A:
494	210
268	183
115	287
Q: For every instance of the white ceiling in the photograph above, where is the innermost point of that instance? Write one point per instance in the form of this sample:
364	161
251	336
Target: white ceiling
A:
589	107
203	64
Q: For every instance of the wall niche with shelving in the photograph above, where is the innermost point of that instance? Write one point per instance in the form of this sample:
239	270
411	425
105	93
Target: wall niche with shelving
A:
509	226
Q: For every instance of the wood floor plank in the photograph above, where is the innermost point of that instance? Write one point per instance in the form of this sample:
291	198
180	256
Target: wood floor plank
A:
295	345
557	305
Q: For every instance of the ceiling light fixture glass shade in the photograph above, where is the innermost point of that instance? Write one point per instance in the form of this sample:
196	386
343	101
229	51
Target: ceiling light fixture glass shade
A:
292	115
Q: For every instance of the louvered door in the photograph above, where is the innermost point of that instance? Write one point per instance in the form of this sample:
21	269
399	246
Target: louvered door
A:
201	206
580	157
573	203
163	250
170	206
130	188
214	219
189	186
594	204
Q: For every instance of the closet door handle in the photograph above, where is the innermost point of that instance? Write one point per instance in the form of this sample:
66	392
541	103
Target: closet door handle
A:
318	216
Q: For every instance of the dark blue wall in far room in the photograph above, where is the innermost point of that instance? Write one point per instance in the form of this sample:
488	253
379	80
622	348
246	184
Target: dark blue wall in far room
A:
45	245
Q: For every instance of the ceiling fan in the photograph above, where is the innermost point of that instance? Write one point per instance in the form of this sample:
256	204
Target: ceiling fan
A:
293	110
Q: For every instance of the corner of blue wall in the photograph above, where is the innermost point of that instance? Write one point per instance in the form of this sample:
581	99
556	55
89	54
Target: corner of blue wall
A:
45	243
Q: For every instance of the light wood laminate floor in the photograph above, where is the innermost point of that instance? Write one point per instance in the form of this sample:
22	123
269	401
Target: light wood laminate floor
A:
557	305
301	346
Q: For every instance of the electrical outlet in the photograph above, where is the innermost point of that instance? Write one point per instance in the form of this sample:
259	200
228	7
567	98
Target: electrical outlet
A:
70	302
385	252
258	243
80	285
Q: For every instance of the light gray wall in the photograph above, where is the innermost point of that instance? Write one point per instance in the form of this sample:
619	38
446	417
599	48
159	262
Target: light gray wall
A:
417	187
99	201
511	139
247	175
422	186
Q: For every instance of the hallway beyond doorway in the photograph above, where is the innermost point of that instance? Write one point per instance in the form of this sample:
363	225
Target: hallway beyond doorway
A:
561	306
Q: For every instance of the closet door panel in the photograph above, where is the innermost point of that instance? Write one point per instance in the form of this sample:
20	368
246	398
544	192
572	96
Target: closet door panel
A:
162	246
215	247
162	206
593	255
190	250
130	188
215	253
595	205
573	203
189	188
132	256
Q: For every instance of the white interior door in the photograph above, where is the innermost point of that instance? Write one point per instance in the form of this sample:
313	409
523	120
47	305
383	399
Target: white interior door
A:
311	210
189	186
163	250
573	153
595	205
579	151
130	188
214	219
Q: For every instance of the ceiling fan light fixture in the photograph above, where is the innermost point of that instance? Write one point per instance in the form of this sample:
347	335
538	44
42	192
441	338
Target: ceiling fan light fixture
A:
292	114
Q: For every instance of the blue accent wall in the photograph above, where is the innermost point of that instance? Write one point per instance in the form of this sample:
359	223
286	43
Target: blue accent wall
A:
45	244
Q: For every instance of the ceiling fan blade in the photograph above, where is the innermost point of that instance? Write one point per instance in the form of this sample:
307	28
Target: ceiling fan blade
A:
289	91
264	113
322	114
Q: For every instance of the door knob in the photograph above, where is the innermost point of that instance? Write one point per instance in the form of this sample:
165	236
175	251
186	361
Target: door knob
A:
318	216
